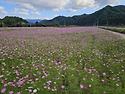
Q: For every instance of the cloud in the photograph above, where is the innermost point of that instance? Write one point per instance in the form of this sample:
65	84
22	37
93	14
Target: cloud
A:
43	18
2	10
35	13
56	5
45	5
82	4
105	2
26	5
56	15
71	10
22	11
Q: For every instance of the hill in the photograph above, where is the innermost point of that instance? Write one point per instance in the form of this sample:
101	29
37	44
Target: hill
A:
11	21
106	16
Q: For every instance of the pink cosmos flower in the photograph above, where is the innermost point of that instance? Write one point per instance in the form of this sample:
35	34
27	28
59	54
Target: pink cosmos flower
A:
5	85
3	58
10	83
4	64
18	92
48	87
11	92
48	82
104	73
59	62
37	79
55	89
1	76
91	79
64	68
20	82
63	87
102	80
83	79
44	72
117	84
43	76
72	74
81	86
30	90
2	68
104	92
3	90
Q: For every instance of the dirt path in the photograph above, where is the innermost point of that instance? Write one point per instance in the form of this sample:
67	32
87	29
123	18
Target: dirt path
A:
122	35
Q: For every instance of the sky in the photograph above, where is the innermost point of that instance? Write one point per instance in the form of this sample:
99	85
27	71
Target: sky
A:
48	9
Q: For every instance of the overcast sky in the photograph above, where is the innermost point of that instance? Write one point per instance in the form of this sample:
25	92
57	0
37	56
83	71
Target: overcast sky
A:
47	9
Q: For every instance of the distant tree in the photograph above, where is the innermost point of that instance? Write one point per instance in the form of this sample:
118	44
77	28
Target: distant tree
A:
37	23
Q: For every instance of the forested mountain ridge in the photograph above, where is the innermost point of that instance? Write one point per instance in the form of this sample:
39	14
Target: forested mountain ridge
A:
106	16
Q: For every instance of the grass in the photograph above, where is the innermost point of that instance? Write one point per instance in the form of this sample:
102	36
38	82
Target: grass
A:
56	61
115	29
7	29
18	28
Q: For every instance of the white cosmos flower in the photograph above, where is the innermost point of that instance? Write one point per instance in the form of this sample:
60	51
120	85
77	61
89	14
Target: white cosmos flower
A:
35	90
89	85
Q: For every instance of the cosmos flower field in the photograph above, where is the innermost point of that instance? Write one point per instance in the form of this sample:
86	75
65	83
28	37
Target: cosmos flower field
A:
74	60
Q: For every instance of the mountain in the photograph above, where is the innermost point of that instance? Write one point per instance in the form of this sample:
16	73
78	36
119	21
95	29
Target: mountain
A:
62	20
106	16
32	21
